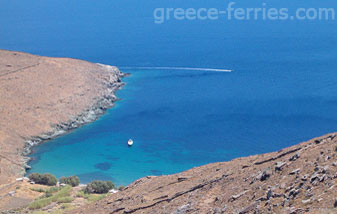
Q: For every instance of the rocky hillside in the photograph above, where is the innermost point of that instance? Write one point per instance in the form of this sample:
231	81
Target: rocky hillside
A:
41	98
299	179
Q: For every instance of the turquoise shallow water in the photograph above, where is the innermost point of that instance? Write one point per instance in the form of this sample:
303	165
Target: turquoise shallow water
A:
282	90
182	119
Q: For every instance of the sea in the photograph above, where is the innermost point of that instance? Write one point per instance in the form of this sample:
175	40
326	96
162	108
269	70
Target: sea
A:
200	91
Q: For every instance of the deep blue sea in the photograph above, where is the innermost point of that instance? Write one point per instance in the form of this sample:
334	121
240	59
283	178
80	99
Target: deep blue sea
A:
282	89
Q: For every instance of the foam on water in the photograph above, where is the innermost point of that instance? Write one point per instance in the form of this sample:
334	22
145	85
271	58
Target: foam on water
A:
176	68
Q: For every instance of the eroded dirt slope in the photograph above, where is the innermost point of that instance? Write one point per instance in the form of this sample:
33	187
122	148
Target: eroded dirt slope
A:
299	179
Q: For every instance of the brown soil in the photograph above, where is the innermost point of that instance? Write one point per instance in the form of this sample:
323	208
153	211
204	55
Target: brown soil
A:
38	93
299	179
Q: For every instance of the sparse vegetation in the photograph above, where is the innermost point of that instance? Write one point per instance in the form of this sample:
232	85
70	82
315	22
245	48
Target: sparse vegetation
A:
38	204
53	189
37	189
66	206
90	197
72	180
45	179
60	195
66	199
99	187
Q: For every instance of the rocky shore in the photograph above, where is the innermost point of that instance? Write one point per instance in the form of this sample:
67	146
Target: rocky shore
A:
87	116
43	98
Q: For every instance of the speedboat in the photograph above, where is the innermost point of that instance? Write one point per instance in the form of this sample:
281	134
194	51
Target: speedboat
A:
130	142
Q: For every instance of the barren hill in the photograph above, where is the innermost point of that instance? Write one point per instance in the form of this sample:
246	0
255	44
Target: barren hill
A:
299	179
44	97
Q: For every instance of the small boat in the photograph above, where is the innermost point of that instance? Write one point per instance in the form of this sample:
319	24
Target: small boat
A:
130	142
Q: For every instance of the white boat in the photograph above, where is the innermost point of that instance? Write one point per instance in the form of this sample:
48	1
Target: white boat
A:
130	142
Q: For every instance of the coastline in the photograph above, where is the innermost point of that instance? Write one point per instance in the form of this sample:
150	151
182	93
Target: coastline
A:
99	108
45	97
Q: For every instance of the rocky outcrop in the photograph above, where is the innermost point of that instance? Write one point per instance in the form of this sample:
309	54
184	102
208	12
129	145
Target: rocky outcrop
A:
299	179
42	98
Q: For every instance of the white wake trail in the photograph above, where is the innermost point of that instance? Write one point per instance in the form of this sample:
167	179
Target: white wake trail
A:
176	68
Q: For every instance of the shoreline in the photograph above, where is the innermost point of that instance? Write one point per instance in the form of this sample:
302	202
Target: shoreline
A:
91	114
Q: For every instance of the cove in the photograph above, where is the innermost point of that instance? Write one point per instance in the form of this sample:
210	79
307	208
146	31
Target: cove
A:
180	119
282	89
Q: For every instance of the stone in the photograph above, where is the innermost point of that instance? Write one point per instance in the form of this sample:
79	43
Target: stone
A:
295	171
279	166
294	157
113	191
249	208
304	178
306	201
264	175
234	197
183	178
217	210
269	194
183	209
322	178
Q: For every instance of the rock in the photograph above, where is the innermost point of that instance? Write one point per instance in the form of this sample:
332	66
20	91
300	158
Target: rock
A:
234	197
249	208
27	167
295	210
285	202
217	210
293	193
11	193
269	194
279	166
304	178
183	178
113	191
264	175
294	157
306	201
314	177
325	169
295	171
322	178
184	209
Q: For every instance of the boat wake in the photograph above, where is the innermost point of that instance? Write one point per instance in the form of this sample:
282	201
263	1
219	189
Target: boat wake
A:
175	68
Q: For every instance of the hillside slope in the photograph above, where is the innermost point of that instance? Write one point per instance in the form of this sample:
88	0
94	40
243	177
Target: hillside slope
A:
42	97
299	179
